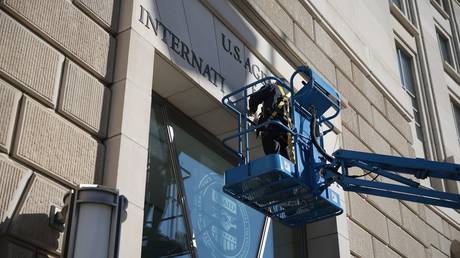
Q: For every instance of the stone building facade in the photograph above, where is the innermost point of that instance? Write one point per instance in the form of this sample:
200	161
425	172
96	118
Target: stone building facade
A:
126	93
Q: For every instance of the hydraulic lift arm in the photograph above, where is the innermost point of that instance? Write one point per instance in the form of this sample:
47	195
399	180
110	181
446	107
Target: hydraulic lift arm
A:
396	186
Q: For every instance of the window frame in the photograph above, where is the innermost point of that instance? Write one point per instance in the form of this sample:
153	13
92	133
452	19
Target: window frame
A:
420	108
405	16
455	103
441	34
172	115
407	9
441	8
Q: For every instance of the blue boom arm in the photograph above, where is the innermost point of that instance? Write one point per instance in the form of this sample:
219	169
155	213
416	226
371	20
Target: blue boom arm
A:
397	186
298	192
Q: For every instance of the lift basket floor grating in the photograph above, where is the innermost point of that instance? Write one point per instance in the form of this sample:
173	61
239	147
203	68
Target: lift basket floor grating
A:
270	186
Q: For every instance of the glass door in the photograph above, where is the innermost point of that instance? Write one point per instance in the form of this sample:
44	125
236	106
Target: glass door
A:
166	232
186	213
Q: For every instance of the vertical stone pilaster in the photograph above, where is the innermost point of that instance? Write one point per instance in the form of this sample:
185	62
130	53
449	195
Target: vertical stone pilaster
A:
128	130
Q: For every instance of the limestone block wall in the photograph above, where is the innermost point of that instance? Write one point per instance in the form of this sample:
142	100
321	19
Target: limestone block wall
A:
56	63
374	227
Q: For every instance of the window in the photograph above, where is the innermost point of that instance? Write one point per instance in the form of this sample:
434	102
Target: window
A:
444	4
186	214
445	48
408	82
405	7
456	109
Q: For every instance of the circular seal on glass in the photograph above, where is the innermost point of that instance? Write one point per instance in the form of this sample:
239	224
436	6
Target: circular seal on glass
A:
223	223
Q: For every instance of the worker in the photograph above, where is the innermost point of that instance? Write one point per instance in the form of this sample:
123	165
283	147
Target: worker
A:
275	106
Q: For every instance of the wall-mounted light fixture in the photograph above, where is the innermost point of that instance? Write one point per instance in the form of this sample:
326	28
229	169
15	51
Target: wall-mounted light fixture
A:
91	218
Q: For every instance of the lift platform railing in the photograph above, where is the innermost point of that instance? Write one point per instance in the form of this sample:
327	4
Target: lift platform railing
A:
237	103
244	123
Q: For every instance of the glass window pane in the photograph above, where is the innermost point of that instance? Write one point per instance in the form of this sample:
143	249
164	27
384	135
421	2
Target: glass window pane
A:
409	10
164	230
222	226
399	4
186	143
418	125
406	71
188	163
445	48
269	244
419	132
418	121
401	74
445	5
457	118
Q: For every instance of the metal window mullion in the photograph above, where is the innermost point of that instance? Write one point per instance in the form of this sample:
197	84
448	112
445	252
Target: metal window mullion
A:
179	182
404	7
263	237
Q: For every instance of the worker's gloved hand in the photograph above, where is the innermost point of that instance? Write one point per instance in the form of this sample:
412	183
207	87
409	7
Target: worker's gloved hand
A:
252	108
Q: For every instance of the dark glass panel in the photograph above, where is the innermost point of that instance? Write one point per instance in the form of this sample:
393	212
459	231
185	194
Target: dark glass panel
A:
222	226
164	232
445	48
399	4
457	118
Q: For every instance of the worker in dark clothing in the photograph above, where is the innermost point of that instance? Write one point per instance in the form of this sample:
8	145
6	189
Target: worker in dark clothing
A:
274	107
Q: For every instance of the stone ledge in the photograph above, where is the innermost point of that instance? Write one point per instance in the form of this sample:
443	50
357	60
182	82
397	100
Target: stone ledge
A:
56	147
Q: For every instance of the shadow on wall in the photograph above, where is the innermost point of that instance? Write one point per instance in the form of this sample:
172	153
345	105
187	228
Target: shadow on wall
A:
33	230
455	249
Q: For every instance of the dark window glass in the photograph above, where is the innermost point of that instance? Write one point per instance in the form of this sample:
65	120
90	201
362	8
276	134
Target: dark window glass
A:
406	72
221	226
405	7
444	46
184	204
399	4
457	119
164	225
445	5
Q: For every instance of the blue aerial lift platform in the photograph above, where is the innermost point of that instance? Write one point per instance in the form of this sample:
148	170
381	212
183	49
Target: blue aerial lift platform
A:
298	191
